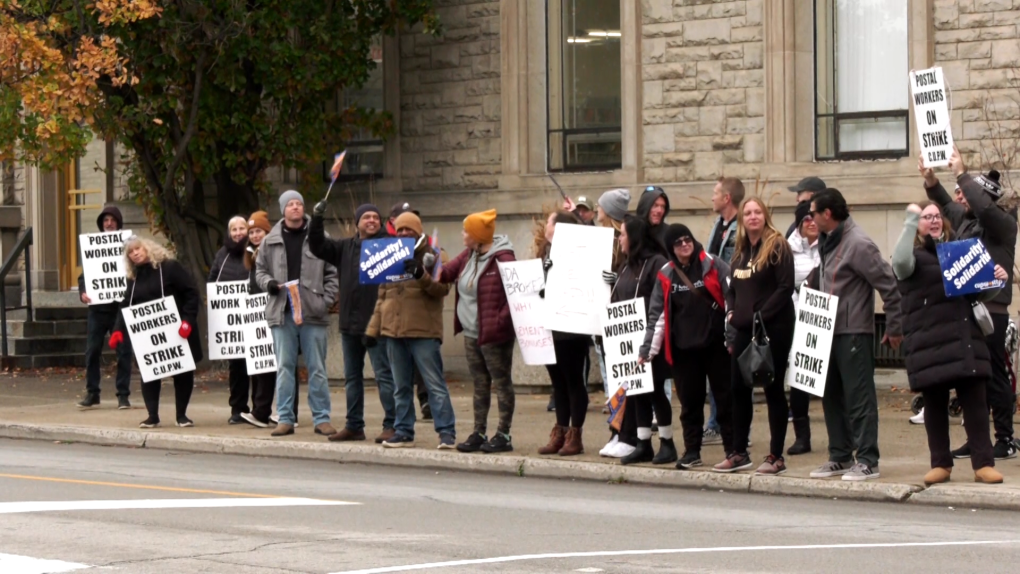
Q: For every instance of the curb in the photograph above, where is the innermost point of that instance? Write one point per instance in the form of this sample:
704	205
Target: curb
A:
943	495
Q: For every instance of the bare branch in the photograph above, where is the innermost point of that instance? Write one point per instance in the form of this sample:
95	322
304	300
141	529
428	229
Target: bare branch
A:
189	131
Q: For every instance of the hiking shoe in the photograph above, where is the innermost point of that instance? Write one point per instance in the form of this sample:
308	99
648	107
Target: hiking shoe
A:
830	469
1004	449
399	441
254	421
690	459
473	443
347	435
711	436
734	462
185	422
917	419
860	472
149	423
446	442
123	403
771	467
91	400
235	419
962	452
498	443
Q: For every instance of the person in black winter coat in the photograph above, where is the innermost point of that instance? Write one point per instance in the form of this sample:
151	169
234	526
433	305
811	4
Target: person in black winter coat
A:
154	274
653	208
228	265
263	385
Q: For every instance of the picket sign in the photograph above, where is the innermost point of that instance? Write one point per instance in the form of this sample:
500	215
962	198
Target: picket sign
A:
522	282
159	349
575	293
967	267
812	341
931	114
224	303
623	333
382	260
102	262
260	356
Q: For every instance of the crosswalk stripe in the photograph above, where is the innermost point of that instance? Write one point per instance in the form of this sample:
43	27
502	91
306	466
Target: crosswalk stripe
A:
14	564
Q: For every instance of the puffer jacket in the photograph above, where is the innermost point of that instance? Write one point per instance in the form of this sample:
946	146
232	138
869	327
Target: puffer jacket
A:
637	280
318	283
170	279
495	326
805	258
228	265
410	309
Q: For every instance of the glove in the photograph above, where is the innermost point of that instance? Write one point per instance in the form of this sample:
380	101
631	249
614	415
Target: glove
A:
320	208
610	277
546	264
541	292
369	342
429	260
273	287
116	339
185	330
415	268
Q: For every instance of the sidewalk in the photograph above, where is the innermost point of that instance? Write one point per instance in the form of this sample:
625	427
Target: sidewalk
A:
40	405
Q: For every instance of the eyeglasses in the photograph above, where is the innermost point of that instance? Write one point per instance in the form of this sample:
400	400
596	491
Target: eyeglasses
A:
684	241
808	219
932	217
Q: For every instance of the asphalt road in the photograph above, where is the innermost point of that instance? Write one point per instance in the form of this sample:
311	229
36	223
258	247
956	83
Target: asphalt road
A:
88	508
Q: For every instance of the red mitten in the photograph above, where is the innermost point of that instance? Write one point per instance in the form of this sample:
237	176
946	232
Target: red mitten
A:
116	339
185	330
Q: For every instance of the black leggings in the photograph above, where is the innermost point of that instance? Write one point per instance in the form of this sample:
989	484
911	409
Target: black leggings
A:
239	386
975	420
183	385
800	402
780	340
690	368
567	377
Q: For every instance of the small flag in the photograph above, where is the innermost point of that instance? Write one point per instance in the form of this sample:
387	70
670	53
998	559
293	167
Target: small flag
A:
338	164
617	407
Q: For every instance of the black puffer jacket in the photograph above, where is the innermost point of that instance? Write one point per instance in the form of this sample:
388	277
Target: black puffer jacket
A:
942	343
637	280
228	265
170	279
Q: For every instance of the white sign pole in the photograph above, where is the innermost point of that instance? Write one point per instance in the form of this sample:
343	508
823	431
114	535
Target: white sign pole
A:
623	333
102	262
155	339
258	340
931	114
224	305
575	293
812	341
522	281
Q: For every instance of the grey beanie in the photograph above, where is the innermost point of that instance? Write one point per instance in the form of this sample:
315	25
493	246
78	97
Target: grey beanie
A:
615	203
287	196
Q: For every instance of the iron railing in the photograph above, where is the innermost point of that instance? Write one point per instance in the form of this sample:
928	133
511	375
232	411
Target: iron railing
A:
10	263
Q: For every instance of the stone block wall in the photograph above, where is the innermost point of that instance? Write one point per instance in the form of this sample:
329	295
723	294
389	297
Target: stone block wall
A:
450	100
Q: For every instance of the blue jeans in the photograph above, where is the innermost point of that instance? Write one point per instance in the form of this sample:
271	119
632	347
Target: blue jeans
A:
405	354
354	381
312	341
102	319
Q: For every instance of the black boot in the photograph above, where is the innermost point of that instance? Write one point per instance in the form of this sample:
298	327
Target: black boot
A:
802	430
667	452
90	400
643	453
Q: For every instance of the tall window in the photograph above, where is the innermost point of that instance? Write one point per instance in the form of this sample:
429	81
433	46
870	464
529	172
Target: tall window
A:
861	87
584	84
364	159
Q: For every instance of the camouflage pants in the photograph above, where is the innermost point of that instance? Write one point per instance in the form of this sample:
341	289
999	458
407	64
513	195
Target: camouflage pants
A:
490	366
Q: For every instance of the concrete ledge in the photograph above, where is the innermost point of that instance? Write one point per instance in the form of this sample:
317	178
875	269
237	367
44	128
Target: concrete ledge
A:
818	488
104	437
990	496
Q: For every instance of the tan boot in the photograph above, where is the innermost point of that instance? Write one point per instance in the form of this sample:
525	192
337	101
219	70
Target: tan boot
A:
556	440
572	445
988	475
937	475
283	429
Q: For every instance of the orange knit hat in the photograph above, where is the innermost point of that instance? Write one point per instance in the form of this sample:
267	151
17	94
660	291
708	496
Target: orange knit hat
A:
481	226
260	219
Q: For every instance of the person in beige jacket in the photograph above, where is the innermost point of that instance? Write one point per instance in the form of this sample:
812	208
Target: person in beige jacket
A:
408	319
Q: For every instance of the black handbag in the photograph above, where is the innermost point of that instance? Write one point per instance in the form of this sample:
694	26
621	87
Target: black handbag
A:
756	366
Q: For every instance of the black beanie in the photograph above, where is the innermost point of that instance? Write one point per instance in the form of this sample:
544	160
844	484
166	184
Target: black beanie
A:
803	210
675	232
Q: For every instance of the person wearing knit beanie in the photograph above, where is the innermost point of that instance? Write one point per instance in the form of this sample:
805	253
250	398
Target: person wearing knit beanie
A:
260	220
288	196
614	204
363	209
408	220
803	210
481	227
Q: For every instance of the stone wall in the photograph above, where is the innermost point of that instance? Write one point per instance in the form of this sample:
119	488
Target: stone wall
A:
450	100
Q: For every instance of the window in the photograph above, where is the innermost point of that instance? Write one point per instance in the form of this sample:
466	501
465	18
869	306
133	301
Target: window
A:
584	85
364	159
861	87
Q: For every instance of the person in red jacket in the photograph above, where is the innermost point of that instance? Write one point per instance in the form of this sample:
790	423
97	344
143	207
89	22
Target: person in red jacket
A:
483	316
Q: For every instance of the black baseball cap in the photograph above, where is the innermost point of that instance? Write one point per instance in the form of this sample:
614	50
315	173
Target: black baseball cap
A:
814	184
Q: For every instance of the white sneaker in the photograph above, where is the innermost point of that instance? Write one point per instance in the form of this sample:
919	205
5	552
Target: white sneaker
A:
620	450
609	445
918	419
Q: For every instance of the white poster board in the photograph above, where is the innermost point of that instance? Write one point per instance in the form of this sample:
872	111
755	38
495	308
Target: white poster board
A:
258	340
522	281
575	293
224	306
931	114
102	262
623	333
812	341
159	349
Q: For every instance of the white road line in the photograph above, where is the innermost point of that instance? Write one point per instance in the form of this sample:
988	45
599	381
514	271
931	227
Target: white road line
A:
160	503
619	553
13	564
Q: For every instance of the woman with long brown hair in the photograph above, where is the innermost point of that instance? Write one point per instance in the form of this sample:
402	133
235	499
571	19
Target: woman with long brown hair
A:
761	290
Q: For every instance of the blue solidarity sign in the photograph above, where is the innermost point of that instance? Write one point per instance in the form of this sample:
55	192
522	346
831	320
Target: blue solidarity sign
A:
382	260
967	267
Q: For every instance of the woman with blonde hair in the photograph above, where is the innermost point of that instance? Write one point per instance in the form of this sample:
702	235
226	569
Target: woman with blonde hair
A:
153	273
228	265
761	294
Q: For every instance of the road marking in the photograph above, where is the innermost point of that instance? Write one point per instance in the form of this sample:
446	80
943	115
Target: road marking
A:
13	564
141	486
619	553
160	503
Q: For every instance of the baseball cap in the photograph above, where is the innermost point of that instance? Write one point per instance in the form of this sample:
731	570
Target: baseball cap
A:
585	201
814	184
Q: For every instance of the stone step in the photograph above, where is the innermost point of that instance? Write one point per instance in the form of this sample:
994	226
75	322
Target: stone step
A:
24	329
47	345
79	313
42	361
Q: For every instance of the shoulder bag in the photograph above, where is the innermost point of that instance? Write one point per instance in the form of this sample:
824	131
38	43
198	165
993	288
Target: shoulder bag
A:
755	363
